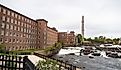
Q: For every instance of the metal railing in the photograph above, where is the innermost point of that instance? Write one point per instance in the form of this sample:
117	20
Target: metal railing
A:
11	62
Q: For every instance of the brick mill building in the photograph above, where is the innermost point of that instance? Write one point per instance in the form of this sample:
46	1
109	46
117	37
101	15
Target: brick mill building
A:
52	36
47	35
19	32
68	39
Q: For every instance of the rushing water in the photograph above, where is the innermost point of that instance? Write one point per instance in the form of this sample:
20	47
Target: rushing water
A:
97	63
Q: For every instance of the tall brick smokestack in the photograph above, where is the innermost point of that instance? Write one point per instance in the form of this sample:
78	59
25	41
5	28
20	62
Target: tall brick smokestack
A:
82	26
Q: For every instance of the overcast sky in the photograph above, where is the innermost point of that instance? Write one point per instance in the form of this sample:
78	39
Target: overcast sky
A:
102	17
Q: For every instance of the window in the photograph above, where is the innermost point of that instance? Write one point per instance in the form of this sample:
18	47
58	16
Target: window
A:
44	42
24	30
12	14
21	24
15	21
15	15
20	41
7	33
17	40
4	11
14	34
14	40
11	20
22	18
2	32
3	18
19	35
11	27
6	40
44	37
9	40
8	19
10	34
1	40
14	27
19	17
3	25
18	28
0	9
44	33
25	19
18	22
21	29
8	12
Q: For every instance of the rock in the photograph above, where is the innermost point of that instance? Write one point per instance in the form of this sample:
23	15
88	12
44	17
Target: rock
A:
91	57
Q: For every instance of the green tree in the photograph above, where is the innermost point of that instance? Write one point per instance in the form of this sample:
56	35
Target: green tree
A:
108	40
99	39
89	39
116	40
79	38
2	48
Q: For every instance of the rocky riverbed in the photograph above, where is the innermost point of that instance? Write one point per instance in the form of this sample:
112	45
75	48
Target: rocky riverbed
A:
87	62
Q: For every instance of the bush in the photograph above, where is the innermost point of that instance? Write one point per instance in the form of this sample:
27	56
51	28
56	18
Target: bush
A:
20	52
2	48
47	65
52	48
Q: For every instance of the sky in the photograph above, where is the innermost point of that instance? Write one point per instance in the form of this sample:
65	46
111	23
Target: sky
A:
101	17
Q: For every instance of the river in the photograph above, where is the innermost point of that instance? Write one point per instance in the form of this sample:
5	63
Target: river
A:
97	63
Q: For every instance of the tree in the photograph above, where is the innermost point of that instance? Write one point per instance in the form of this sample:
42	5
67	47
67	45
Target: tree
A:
80	38
100	39
2	48
108	40
116	40
89	39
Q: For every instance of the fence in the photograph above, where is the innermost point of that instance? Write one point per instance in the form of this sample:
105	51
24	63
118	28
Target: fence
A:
62	65
10	62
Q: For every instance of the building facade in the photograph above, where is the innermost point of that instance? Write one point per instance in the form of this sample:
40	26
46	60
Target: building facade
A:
19	32
68	39
42	32
52	36
48	35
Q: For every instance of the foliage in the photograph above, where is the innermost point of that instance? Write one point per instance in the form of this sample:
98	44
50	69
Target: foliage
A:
53	47
23	52
79	38
62	43
103	40
47	65
2	48
20	52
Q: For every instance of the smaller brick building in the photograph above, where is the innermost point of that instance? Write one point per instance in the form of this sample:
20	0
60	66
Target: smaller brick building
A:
68	39
52	36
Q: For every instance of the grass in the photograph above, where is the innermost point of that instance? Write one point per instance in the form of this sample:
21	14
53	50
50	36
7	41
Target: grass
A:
24	52
53	47
28	50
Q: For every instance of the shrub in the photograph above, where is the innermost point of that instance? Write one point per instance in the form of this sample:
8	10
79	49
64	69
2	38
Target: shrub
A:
2	48
53	47
47	65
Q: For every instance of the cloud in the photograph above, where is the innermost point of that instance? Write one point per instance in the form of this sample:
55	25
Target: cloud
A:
102	17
